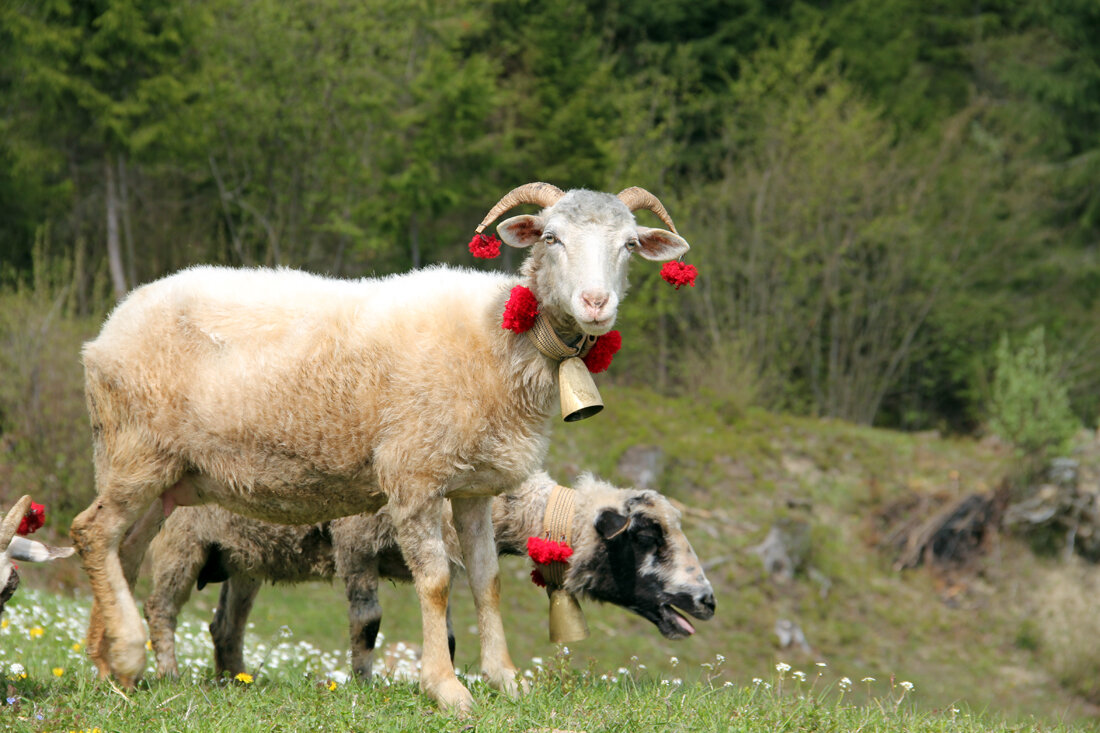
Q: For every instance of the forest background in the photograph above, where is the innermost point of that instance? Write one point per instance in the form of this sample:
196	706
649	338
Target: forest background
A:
885	198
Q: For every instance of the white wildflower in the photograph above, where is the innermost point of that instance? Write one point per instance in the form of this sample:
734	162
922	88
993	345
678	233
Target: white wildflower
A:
845	684
868	679
906	685
782	667
800	676
673	661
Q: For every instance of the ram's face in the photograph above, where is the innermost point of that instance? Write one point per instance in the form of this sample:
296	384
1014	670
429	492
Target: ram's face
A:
582	247
642	561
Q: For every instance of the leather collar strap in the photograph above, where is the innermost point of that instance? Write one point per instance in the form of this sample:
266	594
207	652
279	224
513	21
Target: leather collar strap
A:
547	341
557	525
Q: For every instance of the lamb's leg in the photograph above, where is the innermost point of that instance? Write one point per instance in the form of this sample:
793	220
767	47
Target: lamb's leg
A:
230	620
473	521
116	637
364	615
420	536
176	566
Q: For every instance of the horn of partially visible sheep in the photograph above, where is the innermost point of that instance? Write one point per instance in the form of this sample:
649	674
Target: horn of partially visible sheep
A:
294	398
22	548
647	568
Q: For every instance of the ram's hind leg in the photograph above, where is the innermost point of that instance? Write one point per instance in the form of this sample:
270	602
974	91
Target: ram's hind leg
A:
473	521
130	475
116	637
420	536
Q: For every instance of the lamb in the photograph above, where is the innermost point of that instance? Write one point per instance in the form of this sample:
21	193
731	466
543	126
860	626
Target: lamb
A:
294	398
650	569
22	548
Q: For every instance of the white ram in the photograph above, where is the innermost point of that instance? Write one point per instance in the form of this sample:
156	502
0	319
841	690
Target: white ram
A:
294	398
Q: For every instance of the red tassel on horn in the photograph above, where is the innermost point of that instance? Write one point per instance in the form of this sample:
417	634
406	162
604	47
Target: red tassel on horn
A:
485	246
678	273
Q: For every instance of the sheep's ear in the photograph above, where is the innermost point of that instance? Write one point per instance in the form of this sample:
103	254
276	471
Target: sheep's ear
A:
660	245
610	523
520	231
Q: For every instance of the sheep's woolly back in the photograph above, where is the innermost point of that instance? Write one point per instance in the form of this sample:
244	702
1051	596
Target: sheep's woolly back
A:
291	383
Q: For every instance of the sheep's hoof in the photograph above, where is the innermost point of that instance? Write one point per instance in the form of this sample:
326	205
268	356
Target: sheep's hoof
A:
508	682
453	697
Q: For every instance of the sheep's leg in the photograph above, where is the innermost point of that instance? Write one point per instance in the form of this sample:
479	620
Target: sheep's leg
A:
364	615
230	620
420	536
176	568
116	637
473	521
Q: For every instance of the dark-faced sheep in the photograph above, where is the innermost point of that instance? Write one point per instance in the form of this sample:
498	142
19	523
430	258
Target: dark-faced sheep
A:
293	398
629	550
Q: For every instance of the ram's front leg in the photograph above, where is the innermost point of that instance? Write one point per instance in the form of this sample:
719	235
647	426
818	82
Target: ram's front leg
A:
420	535
473	521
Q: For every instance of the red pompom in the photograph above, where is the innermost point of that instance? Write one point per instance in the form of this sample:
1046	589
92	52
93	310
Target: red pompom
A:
485	246
599	356
33	519
537	579
521	310
678	273
547	551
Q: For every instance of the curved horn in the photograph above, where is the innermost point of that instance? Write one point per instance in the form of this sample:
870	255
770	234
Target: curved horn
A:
12	520
543	194
638	198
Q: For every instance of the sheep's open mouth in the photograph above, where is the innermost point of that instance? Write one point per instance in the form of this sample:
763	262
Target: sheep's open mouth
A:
674	624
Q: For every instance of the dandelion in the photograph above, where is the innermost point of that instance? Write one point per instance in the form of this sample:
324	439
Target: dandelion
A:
36	632
244	677
845	684
58	671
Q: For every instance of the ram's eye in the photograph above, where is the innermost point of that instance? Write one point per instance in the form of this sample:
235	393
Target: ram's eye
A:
631	245
549	238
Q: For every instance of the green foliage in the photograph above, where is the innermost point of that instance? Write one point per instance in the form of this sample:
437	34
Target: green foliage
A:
1029	405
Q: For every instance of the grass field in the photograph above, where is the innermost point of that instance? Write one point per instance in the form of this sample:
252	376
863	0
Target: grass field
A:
982	646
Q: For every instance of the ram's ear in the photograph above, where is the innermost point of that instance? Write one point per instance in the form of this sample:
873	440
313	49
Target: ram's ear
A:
610	523
520	231
660	245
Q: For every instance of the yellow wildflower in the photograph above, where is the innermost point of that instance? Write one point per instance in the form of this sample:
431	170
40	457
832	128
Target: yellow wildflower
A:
331	685
58	671
76	646
36	632
244	677
3	623
149	644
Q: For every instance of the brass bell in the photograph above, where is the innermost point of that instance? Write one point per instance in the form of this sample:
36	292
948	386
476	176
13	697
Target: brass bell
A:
566	618
579	396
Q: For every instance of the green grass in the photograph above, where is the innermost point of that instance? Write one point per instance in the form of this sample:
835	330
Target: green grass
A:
51	686
981	641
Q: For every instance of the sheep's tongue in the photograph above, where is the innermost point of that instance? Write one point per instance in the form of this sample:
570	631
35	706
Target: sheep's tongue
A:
684	622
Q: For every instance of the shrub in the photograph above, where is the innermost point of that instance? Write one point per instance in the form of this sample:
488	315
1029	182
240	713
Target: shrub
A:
1029	404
